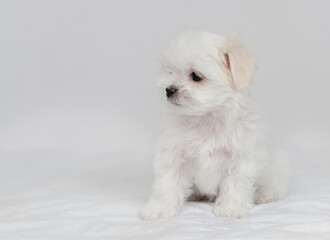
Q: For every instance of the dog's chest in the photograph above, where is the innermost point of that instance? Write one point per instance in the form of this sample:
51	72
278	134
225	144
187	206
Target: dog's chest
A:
208	171
207	156
204	140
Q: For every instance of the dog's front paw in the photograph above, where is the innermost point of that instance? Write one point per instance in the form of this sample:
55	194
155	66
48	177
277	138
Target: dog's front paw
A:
231	210
154	210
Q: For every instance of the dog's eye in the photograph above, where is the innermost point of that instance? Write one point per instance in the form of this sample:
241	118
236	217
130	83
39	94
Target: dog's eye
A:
196	77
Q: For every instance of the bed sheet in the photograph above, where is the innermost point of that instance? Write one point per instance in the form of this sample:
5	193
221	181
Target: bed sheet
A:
61	195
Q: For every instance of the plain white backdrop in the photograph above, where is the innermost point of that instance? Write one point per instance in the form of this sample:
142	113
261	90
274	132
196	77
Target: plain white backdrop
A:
81	75
80	114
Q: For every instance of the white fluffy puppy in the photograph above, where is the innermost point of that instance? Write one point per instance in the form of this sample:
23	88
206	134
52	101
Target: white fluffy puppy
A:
212	145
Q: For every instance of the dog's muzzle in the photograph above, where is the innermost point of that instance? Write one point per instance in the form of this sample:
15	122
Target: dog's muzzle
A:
170	91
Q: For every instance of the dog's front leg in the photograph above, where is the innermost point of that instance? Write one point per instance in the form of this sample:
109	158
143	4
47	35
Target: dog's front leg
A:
236	192
170	189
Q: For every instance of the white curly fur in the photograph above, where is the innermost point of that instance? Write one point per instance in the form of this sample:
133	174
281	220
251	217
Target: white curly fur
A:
212	145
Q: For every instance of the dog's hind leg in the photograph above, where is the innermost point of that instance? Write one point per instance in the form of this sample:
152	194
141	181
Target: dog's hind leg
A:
272	184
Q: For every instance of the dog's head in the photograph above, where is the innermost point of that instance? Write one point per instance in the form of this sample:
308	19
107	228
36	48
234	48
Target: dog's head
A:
203	70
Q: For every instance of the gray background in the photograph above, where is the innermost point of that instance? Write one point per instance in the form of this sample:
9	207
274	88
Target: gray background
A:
81	75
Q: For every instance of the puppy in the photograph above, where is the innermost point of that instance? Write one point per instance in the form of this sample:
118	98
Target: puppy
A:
212	144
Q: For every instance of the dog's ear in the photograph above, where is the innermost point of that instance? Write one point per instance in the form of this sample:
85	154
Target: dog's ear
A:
238	60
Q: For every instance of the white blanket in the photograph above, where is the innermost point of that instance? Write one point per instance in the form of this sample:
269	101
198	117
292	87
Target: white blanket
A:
60	195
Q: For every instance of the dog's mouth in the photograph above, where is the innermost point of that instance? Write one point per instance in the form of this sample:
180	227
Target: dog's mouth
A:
180	98
174	100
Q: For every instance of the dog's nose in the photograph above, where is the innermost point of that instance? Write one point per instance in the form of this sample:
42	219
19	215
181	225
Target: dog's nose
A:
170	91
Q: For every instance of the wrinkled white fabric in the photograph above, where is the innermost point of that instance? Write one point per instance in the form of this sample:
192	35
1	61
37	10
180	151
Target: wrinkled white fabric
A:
60	195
